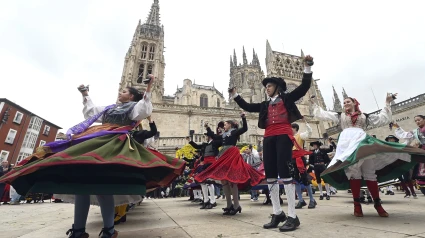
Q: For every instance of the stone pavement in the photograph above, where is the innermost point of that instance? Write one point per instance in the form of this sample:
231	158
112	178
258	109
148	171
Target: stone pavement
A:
179	218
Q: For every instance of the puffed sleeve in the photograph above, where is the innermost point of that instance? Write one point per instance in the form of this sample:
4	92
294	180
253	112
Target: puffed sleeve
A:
323	115
381	119
402	134
90	109
142	109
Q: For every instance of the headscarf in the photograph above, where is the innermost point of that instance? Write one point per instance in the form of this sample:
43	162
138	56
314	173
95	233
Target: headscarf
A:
356	112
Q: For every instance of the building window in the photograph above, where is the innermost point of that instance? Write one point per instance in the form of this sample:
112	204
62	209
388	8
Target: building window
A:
3	155
46	130
144	51
42	142
218	102
10	136
18	117
204	100
22	156
141	73
35	123
151	52
149	69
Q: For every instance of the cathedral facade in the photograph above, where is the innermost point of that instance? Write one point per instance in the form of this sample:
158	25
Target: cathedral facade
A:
192	105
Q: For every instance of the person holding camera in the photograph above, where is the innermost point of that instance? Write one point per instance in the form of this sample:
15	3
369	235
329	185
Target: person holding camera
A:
275	116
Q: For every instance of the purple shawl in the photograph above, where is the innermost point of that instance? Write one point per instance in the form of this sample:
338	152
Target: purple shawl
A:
82	126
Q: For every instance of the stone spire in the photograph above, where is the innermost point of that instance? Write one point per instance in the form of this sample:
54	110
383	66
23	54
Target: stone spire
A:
153	18
302	54
231	62
337	102
255	60
344	94
235	61
245	61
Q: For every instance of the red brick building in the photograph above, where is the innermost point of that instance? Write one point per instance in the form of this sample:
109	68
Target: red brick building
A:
22	131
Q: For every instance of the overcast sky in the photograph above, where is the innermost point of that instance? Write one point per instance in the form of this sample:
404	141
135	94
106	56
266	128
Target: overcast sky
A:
48	48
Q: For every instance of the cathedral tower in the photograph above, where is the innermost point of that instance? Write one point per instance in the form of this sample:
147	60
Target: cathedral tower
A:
337	102
246	77
146	55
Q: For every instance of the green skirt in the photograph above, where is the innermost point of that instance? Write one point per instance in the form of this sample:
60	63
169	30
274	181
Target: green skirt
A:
113	164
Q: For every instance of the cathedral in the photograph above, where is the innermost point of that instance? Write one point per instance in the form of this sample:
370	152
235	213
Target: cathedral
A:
192	105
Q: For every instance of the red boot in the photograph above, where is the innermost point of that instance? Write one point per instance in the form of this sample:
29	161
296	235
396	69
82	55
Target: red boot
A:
355	190
374	191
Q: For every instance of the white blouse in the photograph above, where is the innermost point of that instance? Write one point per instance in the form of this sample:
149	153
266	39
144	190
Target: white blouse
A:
141	110
376	120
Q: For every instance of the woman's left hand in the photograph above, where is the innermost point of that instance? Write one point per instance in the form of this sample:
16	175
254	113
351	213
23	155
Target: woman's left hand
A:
243	115
390	97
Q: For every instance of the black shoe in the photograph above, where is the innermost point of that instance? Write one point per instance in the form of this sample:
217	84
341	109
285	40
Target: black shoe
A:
227	210
234	211
82	231
328	197
218	197
414	195
213	205
204	205
391	193
300	205
267	201
276	219
290	224
312	204
321	197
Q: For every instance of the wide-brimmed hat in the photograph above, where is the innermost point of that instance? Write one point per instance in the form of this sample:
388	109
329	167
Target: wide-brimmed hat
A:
318	143
391	137
280	82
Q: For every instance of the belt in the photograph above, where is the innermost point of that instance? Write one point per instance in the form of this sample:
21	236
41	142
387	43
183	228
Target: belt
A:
320	163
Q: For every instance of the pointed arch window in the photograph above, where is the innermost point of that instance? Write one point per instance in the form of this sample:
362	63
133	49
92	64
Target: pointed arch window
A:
150	69
151	52
144	51
141	74
204	100
218	102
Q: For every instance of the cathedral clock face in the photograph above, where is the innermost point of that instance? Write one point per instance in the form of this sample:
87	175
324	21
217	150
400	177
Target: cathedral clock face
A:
290	87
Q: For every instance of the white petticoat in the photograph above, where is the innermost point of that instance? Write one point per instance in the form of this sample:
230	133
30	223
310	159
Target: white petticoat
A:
348	143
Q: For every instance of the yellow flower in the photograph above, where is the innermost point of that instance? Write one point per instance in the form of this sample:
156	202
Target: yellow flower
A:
186	151
246	147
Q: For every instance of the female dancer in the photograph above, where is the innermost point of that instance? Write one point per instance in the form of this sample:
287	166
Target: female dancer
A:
417	134
230	167
99	160
360	155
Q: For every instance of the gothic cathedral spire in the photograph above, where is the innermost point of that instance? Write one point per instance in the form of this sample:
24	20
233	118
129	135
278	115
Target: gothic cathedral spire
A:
344	94
146	55
235	61
245	61
337	102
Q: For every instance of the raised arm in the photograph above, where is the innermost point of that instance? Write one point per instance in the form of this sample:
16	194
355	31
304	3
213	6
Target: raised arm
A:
323	115
211	134
89	108
384	117
408	136
306	134
249	107
244	128
301	90
143	108
194	145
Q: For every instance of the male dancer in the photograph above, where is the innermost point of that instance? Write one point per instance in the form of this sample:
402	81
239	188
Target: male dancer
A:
300	139
276	116
319	159
209	151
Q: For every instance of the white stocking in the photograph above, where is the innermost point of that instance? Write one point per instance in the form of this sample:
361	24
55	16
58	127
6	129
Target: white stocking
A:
212	193
205	192
290	195
274	195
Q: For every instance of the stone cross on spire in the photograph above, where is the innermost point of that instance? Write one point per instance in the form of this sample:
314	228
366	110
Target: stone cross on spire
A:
153	18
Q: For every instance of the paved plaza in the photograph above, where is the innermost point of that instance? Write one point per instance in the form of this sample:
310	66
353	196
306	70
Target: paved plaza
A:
179	218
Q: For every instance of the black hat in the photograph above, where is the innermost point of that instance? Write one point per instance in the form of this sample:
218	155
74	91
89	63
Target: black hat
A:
391	137
318	143
280	82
